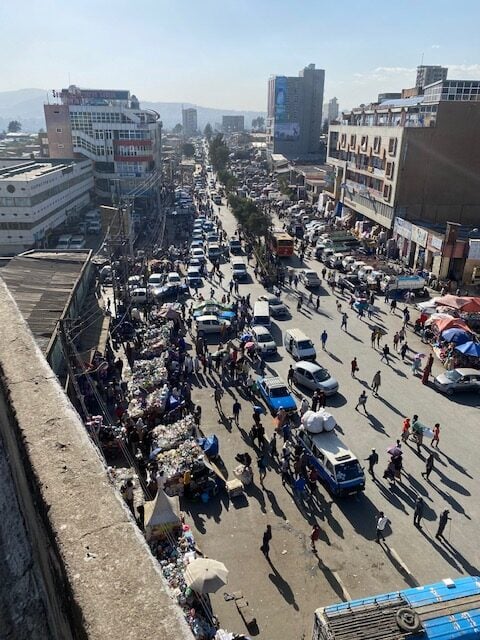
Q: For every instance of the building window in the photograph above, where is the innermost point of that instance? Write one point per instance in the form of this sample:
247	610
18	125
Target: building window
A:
389	170
387	191
59	130
353	140
364	143
392	146
377	141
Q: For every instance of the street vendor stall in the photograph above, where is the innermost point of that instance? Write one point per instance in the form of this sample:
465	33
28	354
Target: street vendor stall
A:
162	517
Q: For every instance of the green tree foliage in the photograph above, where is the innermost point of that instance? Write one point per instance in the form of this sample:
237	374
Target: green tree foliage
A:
258	123
218	153
208	131
188	150
248	215
283	186
177	128
14	126
228	180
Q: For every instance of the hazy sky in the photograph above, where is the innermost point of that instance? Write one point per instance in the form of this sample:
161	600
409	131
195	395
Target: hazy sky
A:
219	53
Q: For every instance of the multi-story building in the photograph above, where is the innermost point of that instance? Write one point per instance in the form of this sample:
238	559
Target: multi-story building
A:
122	140
36	196
189	122
428	74
330	110
294	114
416	158
233	124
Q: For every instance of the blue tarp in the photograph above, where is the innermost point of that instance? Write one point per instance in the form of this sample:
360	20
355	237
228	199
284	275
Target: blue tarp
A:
209	445
469	348
458	336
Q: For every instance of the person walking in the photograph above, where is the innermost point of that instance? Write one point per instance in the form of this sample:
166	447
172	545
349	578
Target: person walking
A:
315	400
418	512
436	436
396	340
267	536
317	303
272	445
290	375
362	402
344	321
314	537
373	337
217	394
442	523
322	399
376	382
393	307
429	464
262	466
303	406
382	522
403	351
372	461
353	367
324	338
237	407
385	354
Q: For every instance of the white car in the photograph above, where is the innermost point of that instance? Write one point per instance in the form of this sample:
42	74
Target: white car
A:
263	340
276	306
134	282
198	254
211	324
156	280
173	279
138	296
309	278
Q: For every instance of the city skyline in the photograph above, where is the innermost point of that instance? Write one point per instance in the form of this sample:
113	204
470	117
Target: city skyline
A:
222	57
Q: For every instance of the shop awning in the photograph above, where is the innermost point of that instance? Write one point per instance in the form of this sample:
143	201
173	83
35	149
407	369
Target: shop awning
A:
466	304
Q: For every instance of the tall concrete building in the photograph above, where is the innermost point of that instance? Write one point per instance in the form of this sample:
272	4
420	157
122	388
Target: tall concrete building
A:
330	111
189	122
233	124
428	74
417	158
108	127
294	113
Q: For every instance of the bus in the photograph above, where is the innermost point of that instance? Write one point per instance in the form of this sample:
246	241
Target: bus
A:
447	609
281	243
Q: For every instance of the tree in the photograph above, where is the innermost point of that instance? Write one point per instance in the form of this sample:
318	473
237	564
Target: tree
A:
14	126
228	180
283	186
258	123
188	150
208	131
177	128
218	152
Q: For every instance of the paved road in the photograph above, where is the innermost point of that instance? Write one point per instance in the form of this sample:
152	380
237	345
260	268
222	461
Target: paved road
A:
284	591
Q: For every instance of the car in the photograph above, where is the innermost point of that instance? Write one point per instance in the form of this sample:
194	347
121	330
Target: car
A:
212	237
313	376
235	246
457	380
198	253
195	262
263	340
208	226
135	282
155	280
77	242
214	251
211	324
196	244
198	236
138	296
309	278
194	277
275	394
276	306
173	279
353	284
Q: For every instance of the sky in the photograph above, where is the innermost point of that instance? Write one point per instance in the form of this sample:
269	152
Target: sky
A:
220	53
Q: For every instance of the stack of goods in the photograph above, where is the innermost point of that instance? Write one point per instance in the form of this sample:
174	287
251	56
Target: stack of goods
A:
108	436
170	436
149	374
155	341
175	462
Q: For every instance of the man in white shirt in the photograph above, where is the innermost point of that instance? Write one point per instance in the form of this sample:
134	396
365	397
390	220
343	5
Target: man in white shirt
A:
382	522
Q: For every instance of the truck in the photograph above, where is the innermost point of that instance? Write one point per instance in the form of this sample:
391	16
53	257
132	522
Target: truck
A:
402	284
446	609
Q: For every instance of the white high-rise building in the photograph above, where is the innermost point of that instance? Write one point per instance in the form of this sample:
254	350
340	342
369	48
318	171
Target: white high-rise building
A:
189	122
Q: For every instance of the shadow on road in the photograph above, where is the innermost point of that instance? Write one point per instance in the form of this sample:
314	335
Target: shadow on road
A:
282	585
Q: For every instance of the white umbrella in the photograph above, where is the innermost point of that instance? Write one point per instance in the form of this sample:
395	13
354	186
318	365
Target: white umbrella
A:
312	421
204	575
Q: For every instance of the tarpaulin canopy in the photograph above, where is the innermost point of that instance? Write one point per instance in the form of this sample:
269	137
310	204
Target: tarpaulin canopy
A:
161	515
458	336
446	322
466	304
469	349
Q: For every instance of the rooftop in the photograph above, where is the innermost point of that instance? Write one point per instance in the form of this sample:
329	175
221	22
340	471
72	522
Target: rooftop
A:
41	283
31	169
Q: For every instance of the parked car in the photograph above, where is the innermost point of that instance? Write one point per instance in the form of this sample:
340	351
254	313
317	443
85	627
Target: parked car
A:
235	246
173	279
263	340
194	277
313	376
277	308
138	296
457	380
77	242
211	324
198	254
309	278
155	280
275	394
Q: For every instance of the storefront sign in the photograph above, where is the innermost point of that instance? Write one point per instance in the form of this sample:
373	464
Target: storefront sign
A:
402	228
434	244
474	250
419	235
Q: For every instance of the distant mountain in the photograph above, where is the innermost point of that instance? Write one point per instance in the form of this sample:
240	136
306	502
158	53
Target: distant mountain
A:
26	105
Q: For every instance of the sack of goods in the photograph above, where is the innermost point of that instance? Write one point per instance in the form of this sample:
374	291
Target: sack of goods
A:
318	421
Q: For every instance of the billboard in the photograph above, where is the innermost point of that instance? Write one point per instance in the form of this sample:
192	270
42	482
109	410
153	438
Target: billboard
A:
281	99
287	131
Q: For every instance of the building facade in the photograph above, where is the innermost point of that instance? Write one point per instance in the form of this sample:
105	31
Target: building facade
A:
233	124
36	196
428	74
294	114
189	122
416	158
330	110
122	140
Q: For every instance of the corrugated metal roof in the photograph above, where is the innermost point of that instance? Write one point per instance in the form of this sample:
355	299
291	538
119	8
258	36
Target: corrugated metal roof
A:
41	283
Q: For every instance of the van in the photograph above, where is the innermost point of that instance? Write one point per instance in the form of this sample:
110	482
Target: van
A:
326	253
261	313
94	227
335	260
298	345
239	270
338	468
77	242
64	242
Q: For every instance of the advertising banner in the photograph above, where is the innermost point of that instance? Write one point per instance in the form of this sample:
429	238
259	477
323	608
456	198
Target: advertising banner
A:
287	131
402	228
281	99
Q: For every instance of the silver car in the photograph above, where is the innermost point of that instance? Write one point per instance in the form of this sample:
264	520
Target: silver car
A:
276	306
313	376
263	340
456	380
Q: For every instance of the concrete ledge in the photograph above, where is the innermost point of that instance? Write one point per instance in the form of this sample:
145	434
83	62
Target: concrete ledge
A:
99	578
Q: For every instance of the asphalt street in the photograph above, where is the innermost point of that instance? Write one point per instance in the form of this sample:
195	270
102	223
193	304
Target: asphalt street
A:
284	591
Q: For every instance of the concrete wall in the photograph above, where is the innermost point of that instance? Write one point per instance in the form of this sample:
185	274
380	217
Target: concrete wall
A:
68	546
57	116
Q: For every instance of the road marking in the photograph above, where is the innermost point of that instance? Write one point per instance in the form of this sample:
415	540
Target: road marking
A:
402	563
346	595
